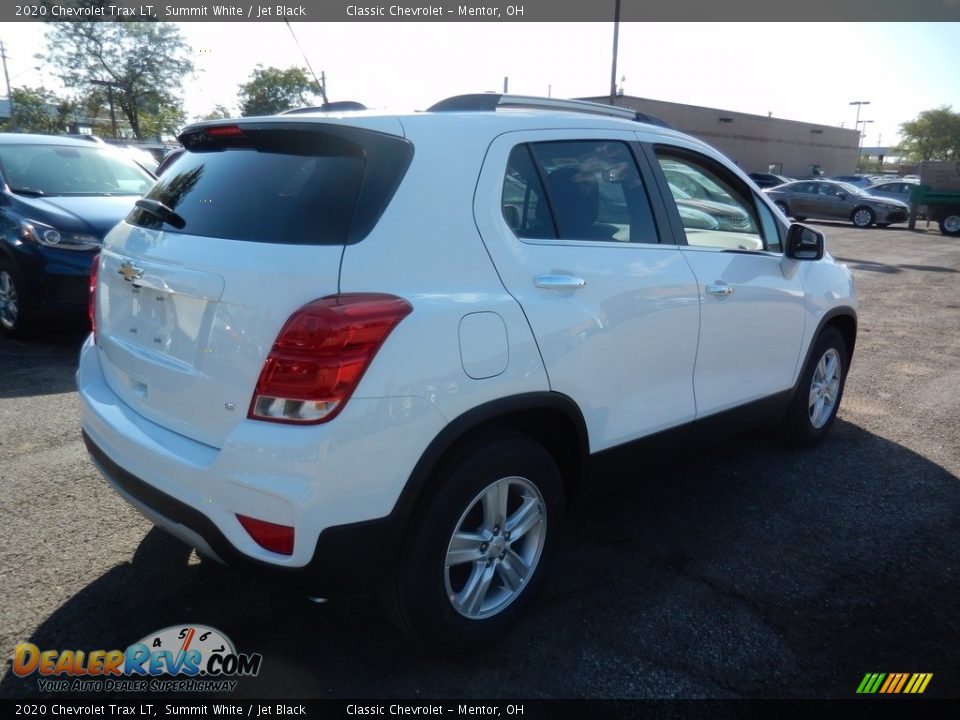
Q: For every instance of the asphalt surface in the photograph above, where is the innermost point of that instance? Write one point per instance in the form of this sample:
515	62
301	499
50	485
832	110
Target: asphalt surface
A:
748	570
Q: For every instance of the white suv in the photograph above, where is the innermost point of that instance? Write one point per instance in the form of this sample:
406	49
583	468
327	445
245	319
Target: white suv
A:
379	352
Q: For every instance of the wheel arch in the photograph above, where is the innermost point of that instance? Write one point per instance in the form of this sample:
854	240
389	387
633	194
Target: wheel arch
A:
844	319
550	418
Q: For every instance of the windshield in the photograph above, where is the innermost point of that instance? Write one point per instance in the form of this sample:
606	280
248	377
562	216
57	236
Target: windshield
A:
70	170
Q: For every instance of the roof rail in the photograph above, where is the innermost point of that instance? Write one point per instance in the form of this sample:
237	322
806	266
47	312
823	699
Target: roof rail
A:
488	102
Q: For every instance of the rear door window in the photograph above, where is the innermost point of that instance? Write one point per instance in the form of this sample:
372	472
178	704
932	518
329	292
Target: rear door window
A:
577	190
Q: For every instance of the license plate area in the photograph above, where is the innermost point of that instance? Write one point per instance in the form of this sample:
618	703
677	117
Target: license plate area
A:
149	318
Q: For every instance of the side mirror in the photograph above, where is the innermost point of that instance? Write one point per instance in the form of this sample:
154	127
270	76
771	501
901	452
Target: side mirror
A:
804	243
842	196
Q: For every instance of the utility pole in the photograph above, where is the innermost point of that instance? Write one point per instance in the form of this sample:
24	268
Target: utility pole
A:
616	40
13	114
856	125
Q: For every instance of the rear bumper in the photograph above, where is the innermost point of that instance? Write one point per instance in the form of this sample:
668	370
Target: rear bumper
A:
337	485
347	560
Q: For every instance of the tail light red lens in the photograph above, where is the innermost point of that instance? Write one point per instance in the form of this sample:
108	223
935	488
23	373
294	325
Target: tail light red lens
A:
320	355
92	297
268	535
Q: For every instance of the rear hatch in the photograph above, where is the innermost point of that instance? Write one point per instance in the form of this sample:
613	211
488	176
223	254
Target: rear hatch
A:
242	230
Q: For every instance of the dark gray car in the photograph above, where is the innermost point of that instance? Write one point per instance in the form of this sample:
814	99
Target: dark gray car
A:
897	190
828	200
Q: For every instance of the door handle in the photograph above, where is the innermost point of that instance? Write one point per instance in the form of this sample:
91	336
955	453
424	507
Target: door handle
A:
559	282
719	289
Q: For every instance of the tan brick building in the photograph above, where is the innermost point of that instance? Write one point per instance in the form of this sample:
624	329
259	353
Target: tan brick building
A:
757	143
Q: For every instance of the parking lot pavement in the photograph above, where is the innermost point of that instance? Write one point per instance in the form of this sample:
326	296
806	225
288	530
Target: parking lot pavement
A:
747	570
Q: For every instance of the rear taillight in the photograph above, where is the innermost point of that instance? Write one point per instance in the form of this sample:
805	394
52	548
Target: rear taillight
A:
320	355
273	537
92	297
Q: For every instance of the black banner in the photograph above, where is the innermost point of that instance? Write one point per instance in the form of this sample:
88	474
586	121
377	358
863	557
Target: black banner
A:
363	11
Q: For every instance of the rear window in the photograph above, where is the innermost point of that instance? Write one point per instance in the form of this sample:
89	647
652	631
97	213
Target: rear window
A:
281	185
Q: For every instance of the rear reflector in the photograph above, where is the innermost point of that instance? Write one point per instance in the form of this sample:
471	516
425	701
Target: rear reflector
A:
320	355
92	297
268	535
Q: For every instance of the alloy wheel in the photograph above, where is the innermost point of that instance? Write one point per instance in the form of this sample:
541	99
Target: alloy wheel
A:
495	547
824	388
9	302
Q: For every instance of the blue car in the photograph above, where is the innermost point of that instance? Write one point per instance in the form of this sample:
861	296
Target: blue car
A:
59	196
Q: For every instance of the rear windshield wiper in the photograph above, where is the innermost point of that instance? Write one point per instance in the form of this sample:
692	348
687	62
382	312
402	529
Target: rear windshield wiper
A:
29	192
159	210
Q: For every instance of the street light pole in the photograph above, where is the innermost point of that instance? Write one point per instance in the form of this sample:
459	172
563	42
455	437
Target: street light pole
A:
856	125
860	136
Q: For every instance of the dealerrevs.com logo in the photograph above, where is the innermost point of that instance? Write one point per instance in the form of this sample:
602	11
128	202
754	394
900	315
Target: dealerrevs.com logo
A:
181	658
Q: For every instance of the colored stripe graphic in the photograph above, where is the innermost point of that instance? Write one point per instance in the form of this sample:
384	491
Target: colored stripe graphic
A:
894	683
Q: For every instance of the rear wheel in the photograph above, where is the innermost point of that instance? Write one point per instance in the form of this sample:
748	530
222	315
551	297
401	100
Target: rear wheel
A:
950	224
862	217
782	206
480	545
815	405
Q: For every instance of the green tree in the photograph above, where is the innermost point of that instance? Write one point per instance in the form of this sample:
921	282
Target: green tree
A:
272	90
932	135
144	64
39	110
220	112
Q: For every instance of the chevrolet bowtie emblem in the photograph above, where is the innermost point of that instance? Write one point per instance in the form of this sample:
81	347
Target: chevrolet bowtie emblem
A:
129	272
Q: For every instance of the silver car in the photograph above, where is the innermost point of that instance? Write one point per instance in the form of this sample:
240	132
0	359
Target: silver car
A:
829	200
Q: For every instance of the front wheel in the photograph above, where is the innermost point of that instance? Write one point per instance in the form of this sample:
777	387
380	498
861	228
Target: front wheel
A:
950	224
862	217
15	306
480	544
815	405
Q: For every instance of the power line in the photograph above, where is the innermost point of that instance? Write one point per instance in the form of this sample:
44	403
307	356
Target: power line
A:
321	85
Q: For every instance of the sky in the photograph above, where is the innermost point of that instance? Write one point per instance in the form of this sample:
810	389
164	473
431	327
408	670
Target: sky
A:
809	72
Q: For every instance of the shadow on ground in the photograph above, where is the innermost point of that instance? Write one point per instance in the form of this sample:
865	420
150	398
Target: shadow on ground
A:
42	365
749	570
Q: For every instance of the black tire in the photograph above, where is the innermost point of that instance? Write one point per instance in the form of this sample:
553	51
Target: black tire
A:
783	207
16	307
950	224
803	425
428	598
862	217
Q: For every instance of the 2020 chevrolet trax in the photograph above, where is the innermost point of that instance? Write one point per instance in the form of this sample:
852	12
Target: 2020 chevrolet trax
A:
381	352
